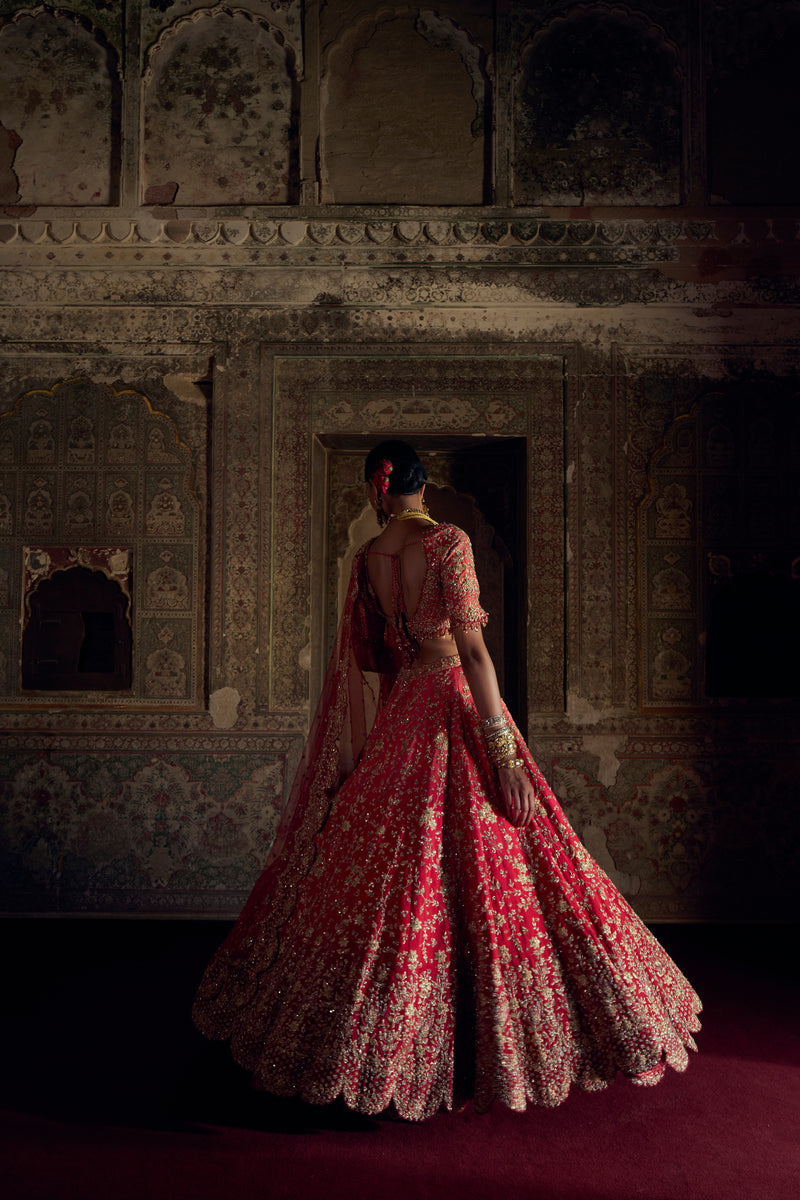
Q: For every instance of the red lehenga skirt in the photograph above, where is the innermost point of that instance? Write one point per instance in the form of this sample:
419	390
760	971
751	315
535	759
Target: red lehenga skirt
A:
434	953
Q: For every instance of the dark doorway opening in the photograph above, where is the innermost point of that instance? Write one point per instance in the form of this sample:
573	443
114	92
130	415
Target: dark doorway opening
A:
479	484
753	640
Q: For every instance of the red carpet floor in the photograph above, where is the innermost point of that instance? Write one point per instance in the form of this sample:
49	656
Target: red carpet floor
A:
108	1094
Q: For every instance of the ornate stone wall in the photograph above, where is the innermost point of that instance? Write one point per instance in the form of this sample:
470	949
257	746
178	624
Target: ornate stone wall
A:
87	464
265	329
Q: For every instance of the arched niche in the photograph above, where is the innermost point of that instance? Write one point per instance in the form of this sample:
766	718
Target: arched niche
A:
597	113
60	105
220	112
77	635
405	113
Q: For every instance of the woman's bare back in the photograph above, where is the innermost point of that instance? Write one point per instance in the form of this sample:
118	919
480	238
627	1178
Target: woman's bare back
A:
402	542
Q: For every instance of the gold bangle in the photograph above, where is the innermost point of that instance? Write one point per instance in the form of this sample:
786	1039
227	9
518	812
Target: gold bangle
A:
504	751
497	735
506	738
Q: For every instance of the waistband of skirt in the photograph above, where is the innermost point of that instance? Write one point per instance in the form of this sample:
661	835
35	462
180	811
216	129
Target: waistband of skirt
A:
441	664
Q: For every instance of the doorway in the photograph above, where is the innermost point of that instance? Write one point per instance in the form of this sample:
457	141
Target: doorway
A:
479	484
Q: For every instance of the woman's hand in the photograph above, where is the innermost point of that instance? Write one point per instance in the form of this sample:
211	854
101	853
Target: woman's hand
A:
519	796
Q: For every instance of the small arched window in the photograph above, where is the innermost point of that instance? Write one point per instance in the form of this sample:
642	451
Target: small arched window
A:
78	634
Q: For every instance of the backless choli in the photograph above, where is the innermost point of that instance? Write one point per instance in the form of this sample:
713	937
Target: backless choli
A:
406	944
448	599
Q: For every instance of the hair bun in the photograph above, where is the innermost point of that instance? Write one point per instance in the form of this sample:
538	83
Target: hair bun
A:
407	475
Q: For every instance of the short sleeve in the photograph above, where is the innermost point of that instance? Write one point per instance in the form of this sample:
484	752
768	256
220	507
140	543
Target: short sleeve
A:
460	585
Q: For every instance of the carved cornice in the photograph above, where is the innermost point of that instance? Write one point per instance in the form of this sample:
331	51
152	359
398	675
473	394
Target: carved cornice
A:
606	242
303	232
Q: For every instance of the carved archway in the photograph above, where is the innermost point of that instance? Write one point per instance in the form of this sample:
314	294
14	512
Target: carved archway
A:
220	112
597	111
405	101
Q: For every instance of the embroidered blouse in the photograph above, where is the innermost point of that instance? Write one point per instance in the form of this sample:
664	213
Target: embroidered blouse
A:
450	597
449	600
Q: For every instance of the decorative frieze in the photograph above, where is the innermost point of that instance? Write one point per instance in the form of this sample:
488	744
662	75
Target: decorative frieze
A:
602	237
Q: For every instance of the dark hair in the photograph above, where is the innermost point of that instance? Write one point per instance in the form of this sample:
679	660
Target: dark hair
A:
408	473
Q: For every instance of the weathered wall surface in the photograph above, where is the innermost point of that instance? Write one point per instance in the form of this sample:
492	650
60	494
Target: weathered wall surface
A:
219	113
401	91
642	347
598	112
60	106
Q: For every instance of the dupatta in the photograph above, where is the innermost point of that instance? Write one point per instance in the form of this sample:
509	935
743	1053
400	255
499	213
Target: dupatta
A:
339	729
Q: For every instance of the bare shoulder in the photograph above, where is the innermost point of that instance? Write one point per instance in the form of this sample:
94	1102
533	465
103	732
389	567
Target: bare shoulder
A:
438	540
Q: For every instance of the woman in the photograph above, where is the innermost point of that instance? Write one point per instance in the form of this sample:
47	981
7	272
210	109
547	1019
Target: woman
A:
428	928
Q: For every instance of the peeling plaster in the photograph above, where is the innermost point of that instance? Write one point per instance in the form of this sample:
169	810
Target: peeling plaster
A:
580	711
218	112
61	118
10	142
605	747
223	706
185	389
594	839
441	33
161	193
570	472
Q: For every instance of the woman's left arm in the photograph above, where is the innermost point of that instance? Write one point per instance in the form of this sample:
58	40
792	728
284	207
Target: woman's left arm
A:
518	793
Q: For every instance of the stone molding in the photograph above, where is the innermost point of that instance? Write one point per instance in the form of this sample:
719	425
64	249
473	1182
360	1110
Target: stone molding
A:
613	236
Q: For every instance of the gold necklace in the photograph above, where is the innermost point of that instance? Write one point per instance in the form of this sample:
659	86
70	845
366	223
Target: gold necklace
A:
408	513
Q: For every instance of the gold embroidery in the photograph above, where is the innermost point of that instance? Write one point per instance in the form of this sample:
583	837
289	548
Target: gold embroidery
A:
411	916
